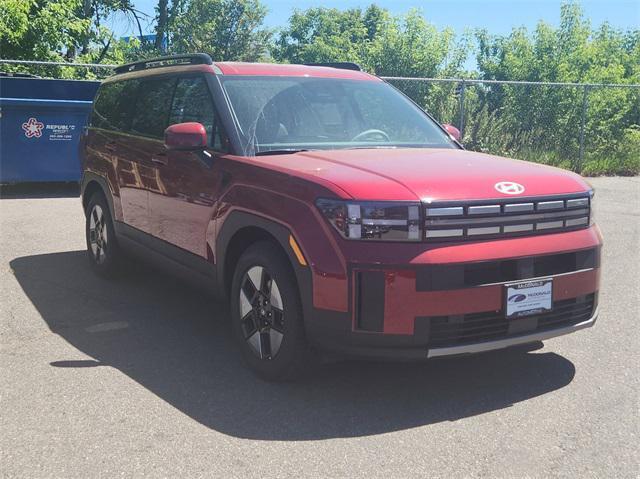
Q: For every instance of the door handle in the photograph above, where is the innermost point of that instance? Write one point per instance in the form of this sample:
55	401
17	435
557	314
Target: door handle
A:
160	159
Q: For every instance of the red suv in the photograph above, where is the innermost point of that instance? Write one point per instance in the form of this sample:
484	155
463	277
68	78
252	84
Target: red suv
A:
333	213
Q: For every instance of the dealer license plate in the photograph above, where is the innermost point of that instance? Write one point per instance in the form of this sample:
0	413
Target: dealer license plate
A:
528	297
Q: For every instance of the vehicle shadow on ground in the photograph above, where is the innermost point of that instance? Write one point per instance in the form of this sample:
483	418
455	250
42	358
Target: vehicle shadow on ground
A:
40	190
176	343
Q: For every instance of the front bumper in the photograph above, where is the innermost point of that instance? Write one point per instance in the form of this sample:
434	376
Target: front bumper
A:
512	341
420	310
417	346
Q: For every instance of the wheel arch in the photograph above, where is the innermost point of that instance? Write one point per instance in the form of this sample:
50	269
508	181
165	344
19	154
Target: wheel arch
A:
92	188
91	184
239	231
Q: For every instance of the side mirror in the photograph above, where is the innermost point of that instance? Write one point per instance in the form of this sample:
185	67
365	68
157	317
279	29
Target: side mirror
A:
185	136
453	131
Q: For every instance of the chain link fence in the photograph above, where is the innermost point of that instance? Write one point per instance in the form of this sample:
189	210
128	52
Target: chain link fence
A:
592	129
588	128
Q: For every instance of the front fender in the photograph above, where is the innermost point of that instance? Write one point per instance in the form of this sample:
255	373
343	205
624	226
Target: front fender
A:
238	220
299	216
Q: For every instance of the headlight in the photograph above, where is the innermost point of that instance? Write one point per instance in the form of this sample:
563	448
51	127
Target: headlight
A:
367	220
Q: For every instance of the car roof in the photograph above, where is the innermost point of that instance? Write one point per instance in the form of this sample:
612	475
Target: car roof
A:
276	69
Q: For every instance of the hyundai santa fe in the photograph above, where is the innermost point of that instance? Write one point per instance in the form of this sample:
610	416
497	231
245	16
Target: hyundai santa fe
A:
333	214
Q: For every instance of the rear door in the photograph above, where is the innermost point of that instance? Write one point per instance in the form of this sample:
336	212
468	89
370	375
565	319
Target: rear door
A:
107	140
142	153
181	210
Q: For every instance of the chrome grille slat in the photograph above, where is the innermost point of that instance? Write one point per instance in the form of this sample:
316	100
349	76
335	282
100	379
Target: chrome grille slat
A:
577	221
546	225
578	203
549	205
484	210
505	217
446	211
517	228
518	207
444	233
487	230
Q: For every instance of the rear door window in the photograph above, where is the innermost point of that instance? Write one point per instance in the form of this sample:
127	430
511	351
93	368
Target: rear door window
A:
193	103
151	113
112	107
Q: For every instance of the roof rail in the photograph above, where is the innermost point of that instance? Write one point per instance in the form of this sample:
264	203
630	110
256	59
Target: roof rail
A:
341	65
190	59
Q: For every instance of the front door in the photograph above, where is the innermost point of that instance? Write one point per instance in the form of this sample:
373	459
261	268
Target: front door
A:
180	212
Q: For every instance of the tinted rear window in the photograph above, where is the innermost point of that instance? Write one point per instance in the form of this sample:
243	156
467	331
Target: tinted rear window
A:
112	107
151	115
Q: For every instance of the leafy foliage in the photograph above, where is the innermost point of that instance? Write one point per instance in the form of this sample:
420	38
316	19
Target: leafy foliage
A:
226	29
533	122
60	30
551	116
384	44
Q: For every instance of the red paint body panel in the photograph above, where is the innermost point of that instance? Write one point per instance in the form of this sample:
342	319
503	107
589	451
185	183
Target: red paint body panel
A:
514	247
403	304
327	291
289	201
173	197
431	174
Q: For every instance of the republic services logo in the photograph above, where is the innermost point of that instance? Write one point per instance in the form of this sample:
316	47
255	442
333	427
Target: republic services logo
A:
32	128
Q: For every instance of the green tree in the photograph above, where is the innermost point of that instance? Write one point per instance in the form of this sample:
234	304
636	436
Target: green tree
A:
381	43
226	29
60	30
404	45
41	30
161	23
409	45
324	35
543	122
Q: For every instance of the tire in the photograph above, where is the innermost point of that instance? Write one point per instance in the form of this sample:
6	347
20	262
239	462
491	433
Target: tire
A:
266	312
103	252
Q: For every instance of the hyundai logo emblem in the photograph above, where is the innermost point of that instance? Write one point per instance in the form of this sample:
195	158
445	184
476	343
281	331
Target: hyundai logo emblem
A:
517	298
509	188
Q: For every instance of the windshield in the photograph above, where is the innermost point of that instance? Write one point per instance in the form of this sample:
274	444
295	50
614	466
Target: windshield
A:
286	114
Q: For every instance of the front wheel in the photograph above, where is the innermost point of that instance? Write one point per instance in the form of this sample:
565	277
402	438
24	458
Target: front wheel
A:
267	314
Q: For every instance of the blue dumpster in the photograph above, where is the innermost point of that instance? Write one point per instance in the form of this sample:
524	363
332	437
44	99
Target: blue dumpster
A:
40	126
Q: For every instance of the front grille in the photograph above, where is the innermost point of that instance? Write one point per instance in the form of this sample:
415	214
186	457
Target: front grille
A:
445	331
506	217
439	277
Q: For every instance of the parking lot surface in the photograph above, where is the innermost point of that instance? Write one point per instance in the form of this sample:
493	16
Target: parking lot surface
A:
139	377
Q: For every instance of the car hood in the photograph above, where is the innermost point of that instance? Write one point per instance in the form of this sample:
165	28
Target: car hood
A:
427	174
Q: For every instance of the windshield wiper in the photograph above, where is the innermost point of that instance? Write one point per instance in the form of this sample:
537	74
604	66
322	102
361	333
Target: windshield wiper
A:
284	151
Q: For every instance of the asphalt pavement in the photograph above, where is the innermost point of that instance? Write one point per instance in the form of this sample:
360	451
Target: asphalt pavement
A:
139	377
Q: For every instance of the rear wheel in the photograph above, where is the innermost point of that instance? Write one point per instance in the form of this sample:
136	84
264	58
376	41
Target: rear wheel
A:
102	247
267	314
